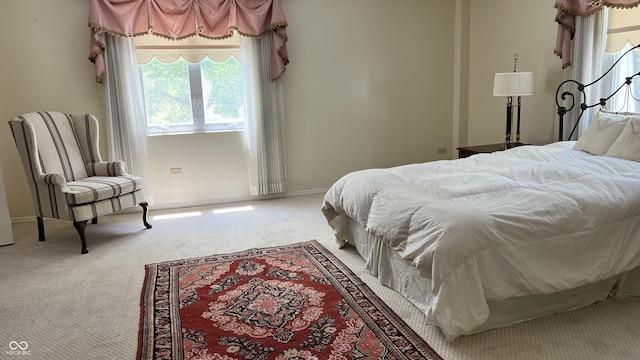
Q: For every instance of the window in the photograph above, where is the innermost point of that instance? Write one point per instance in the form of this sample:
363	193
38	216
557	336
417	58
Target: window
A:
636	80
623	31
191	88
627	98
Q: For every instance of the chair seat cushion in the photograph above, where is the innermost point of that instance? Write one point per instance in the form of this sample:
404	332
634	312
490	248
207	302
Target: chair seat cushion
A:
103	207
96	188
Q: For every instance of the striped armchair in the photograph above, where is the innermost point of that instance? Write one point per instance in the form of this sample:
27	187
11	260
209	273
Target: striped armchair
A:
67	177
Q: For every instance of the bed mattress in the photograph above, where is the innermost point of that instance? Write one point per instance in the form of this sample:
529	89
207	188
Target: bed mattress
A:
399	274
471	233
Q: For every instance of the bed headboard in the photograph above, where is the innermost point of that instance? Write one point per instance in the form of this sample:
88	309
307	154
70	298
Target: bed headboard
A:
577	90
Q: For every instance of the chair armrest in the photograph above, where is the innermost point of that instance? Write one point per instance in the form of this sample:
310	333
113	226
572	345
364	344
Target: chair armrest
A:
54	179
108	168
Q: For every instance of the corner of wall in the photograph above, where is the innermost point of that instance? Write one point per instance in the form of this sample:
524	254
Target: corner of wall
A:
461	73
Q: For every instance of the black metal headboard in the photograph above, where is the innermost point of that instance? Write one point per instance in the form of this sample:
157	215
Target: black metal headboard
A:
580	91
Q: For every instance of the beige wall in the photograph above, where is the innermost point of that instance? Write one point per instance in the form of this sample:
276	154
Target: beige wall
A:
370	84
499	29
44	66
214	168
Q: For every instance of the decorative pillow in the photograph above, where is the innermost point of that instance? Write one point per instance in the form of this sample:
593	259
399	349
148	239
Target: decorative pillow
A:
627	145
603	131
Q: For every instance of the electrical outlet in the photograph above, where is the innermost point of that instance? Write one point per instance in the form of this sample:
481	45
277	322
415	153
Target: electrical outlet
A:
175	171
442	151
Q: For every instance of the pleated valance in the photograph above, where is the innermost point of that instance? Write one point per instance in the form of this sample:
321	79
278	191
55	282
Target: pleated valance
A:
567	10
178	19
623	27
193	49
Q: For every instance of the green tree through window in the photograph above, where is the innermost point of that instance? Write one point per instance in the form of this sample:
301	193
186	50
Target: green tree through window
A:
185	97
167	92
225	98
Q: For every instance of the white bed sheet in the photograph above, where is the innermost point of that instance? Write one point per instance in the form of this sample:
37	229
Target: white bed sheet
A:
401	275
533	220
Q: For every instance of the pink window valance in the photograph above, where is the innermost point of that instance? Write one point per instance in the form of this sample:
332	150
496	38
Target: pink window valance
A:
566	19
177	19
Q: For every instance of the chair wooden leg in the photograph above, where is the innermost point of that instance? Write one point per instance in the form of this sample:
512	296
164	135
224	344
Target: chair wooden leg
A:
40	228
80	226
94	220
144	205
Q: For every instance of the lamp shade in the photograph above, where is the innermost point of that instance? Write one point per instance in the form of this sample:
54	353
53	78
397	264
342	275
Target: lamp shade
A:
513	84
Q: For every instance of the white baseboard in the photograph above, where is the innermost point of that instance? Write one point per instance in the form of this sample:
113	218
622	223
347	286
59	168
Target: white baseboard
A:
233	200
188	204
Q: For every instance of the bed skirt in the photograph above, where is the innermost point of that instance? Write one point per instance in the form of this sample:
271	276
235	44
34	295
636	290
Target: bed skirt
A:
400	275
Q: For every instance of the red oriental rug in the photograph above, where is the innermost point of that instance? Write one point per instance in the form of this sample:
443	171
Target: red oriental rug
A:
288	302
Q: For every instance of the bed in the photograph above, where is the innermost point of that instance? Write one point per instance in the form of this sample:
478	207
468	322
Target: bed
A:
495	239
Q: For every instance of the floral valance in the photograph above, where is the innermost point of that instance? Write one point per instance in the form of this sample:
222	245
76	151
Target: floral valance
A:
566	19
178	19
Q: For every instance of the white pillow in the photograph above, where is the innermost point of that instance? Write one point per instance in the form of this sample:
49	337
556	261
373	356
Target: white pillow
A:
627	145
603	131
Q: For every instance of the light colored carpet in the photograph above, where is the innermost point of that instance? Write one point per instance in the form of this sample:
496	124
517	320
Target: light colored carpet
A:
71	306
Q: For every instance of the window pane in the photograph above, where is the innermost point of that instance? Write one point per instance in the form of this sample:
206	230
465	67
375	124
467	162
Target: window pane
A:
222	90
166	93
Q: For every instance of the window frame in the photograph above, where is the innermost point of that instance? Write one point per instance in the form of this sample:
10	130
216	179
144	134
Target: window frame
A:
198	119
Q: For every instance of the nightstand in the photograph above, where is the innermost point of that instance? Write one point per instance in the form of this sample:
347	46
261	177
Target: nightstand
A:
465	151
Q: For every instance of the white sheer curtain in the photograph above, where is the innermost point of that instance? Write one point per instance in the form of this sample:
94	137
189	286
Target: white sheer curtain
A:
264	127
587	63
623	100
590	61
124	110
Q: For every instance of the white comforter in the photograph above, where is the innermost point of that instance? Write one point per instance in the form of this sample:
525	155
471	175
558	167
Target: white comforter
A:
530	220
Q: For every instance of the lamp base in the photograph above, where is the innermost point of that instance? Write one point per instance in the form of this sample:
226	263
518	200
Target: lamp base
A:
510	145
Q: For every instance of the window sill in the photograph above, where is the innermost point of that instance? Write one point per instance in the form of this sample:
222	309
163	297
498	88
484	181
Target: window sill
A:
170	133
